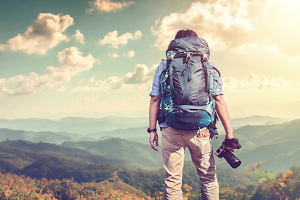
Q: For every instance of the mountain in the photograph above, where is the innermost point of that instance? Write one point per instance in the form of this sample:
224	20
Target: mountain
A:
116	148
275	145
74	124
84	126
270	133
122	133
42	136
270	123
58	168
40	150
255	120
266	152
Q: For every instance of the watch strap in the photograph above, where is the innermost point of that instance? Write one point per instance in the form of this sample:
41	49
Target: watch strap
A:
151	130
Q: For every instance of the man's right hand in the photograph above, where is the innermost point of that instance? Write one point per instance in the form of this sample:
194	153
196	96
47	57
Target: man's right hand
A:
232	144
153	137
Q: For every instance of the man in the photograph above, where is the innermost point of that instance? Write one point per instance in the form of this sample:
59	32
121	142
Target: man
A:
174	141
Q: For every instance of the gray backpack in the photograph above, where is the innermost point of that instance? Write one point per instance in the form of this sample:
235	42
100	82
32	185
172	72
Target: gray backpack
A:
188	85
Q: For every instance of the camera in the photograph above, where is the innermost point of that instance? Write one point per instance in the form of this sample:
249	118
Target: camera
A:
222	152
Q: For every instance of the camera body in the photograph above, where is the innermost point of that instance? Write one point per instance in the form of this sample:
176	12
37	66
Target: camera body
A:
232	160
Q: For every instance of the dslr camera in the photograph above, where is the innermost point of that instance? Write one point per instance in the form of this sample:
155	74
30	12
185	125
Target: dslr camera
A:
222	152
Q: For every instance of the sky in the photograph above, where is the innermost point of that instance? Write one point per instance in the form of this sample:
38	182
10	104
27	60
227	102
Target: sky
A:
97	58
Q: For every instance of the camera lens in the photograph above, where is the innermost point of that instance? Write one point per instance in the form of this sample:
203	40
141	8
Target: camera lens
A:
232	160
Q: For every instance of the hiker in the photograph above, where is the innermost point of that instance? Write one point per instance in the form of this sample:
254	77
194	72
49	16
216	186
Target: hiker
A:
179	89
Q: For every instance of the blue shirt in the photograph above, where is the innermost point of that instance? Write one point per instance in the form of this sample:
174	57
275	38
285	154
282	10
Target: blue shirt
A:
156	85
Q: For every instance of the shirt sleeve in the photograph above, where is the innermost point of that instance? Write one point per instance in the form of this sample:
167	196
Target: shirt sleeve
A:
156	88
219	90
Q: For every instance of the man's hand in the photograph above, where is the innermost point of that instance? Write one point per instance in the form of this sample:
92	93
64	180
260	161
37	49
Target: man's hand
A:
153	137
234	143
229	136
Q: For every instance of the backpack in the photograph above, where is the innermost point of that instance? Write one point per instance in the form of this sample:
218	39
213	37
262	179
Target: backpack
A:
188	84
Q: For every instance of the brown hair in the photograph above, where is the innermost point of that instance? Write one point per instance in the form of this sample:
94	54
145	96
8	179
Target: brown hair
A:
185	33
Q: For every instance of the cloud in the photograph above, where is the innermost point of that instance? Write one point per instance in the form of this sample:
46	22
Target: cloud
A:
79	37
71	63
46	32
92	79
229	24
254	82
254	89
113	55
97	86
108	5
130	54
141	76
113	39
62	88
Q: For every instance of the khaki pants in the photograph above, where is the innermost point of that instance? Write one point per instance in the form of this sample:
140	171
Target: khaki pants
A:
174	142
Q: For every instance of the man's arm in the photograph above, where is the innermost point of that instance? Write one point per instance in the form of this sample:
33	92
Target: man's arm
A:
223	113
153	110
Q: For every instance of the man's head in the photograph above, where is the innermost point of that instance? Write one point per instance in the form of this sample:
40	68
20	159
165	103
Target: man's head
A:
185	33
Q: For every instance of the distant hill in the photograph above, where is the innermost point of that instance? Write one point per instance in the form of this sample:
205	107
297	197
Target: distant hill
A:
39	150
275	145
270	123
252	120
116	148
42	136
256	120
79	125
84	126
122	133
268	154
58	168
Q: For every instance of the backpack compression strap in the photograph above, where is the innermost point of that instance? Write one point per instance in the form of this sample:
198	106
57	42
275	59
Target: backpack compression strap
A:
207	71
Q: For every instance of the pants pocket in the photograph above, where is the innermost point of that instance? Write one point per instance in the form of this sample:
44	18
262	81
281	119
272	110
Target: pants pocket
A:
205	145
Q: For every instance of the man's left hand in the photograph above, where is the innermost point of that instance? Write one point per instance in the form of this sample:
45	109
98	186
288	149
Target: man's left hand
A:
153	137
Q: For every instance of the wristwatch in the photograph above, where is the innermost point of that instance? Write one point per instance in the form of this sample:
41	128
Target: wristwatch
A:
151	130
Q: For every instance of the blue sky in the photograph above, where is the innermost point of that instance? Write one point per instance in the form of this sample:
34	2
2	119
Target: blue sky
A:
49	71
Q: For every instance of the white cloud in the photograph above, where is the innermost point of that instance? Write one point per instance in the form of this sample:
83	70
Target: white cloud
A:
113	55
71	63
137	35
92	79
130	54
62	88
97	86
79	37
108	5
113	39
228	24
46	32
81	81
260	89
254	82
141	76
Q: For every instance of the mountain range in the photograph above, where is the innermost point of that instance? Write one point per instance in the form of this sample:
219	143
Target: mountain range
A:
85	126
79	125
268	142
39	160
